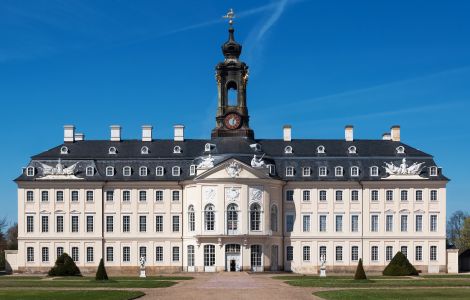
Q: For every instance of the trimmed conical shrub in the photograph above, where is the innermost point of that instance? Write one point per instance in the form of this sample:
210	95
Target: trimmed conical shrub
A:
64	266
360	273
101	272
400	266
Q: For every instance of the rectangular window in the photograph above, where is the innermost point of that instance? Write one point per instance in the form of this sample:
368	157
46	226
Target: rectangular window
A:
339	195
404	223
339	253
322	253
419	223
354	253
143	252
176	195
29	224
109	254
354	223
176	223
29	196
289	223
322	171
433	253
289	171
126	196
306	223
74	223
142	196
44	196
75	256
158	195
322	224
90	196
142	223
89	224
109	223
272	169
74	196
389	195
388	253
389	223
306	253
306	195
419	253
419	195
192	170
44	224
59	225
159	254
60	251
30	254
289	195
109	195
354	195
59	196
89	254
374	253
126	223
433	195
374	223
45	254
159	223
322	195
404	250
192	221
404	195
433	223
290	253
126	254
339	223
176	253
306	171
374	195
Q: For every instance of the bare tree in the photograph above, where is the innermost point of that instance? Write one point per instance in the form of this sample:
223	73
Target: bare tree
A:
12	237
454	228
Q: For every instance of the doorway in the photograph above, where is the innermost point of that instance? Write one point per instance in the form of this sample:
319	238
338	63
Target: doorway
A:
232	258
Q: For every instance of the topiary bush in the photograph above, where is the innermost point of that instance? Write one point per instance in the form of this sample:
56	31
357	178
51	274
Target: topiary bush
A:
101	272
360	273
2	260
64	266
400	266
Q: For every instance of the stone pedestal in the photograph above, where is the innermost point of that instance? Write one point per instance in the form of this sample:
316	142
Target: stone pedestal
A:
142	273
323	272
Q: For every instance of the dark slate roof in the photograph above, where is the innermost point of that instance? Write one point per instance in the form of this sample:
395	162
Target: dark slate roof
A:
304	154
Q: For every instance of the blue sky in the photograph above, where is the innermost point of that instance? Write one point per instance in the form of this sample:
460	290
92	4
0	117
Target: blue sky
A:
317	65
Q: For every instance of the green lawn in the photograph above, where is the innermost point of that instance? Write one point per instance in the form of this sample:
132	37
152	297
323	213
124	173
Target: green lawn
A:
119	278
76	295
135	283
393	294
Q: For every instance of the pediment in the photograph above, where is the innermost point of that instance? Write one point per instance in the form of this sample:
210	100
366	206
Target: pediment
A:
389	211
404	211
419	211
232	169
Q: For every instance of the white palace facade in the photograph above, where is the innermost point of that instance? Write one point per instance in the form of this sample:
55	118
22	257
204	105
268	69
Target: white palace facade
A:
231	202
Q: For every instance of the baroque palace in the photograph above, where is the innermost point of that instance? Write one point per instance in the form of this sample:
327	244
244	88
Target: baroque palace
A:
232	202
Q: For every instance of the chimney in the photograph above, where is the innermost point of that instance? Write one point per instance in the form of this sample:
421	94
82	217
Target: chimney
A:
349	133
179	133
395	133
115	133
79	137
69	133
287	133
147	133
386	136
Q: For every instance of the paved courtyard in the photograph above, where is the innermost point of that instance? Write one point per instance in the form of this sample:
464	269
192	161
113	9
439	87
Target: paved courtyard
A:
236	285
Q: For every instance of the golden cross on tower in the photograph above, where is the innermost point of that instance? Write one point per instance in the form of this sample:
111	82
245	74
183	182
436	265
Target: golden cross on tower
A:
230	16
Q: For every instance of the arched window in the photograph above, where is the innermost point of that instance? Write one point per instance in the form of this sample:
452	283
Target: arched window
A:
159	171
90	171
143	171
175	171
274	218
209	217
352	150
144	150
374	171
191	218
30	171
232	218
433	171
288	149
126	171
321	149
112	150
64	150
255	217
338	171
109	171
177	149
355	171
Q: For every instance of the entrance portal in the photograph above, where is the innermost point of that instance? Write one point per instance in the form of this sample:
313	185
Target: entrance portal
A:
232	257
232	266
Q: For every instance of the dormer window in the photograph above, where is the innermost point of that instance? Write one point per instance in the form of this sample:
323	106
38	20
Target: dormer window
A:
90	171
338	171
432	171
30	171
306	171
352	150
177	149
290	171
175	171
321	149
374	171
126	171
109	171
192	170
355	171
400	150
207	147
143	171
64	150
144	150
272	169
256	147
112	150
159	171
322	171
288	150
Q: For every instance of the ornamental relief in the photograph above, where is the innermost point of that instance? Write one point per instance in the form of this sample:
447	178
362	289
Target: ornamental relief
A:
232	194
209	194
255	194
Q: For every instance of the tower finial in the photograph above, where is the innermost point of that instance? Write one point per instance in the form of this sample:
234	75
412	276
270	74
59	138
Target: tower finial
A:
230	16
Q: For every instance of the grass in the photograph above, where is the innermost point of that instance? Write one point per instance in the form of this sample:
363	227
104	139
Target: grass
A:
87	283
76	295
393	294
119	278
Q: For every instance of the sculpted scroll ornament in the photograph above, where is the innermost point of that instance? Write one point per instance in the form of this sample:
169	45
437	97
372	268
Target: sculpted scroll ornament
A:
209	194
232	194
233	169
256	194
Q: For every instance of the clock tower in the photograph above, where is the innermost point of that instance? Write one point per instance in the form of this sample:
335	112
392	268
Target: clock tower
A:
232	118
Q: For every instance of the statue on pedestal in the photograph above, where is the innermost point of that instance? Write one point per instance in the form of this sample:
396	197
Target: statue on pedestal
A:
142	267
322	266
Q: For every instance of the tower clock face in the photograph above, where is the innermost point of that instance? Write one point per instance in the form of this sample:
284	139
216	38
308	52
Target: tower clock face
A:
232	121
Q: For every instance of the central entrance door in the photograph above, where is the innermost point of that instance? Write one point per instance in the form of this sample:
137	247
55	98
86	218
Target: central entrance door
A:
232	257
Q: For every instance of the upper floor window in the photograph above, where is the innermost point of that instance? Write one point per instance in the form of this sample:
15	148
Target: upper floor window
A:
209	217
64	150
177	149
90	171
321	149
322	195
144	150
207	147
192	170
109	171
389	195
112	150
322	171
30	171
272	169
175	171
433	195
419	195
175	196
289	195
159	171
354	195
355	171
404	195
29	196
352	150
338	171
143	171
290	171
126	171
400	150
374	195
374	171
288	149
306	195
255	217
339	195
432	171
306	171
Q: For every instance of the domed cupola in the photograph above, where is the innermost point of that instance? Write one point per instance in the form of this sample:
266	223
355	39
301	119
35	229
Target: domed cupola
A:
231	49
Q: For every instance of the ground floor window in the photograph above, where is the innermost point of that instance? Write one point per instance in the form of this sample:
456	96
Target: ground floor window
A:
306	253
159	253
433	253
109	254
290	253
75	256
339	253
354	253
60	251
126	254
419	253
176	253
209	255
30	254
404	250
322	252
190	256
143	252
374	253
389	253
89	254
45	254
256	253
